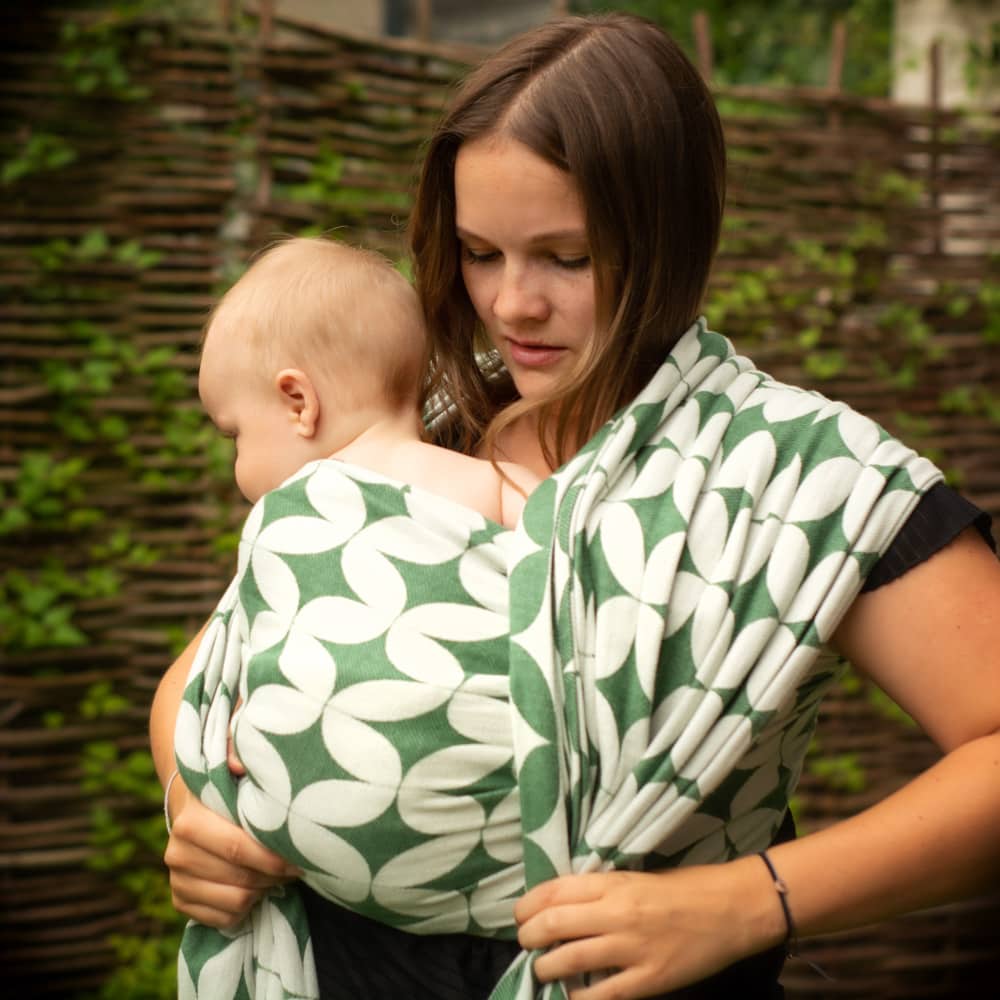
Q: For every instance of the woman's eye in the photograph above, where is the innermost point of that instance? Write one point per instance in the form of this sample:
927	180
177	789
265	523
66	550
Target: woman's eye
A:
573	263
479	256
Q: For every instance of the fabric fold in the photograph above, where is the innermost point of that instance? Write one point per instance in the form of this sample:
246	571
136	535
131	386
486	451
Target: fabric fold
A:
437	712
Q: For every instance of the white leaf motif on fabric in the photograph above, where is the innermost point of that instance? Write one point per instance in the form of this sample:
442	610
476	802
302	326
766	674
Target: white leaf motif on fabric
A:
502	835
859	433
481	719
337	497
423	659
339	620
267	631
615	629
687	591
301	534
276	583
292	974
711	633
260	809
687	486
361	750
338	803
307	665
783	402
410	540
815	588
621	535
749	465
268	770
372	577
707	534
648	647
454	622
780	492
187	737
492	904
455	767
661	567
759	545
787	566
744	652
345	871
388	701
445	912
824	489
275	708
481	571
424	863
656	475
251	526
861	502
221	974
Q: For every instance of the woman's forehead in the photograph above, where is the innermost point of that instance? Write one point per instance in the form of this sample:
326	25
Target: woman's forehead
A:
501	183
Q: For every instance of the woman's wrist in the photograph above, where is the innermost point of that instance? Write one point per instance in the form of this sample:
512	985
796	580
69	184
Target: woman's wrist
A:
762	917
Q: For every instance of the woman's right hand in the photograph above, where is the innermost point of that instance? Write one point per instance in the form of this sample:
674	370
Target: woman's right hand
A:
217	870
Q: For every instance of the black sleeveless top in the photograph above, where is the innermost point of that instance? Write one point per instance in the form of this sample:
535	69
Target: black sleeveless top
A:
361	959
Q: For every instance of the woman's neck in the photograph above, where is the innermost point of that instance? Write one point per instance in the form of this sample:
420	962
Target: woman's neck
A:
519	443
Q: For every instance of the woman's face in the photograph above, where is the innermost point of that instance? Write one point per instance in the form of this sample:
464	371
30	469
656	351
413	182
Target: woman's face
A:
525	259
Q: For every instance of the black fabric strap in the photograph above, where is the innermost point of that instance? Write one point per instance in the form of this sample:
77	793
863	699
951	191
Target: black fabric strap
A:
939	518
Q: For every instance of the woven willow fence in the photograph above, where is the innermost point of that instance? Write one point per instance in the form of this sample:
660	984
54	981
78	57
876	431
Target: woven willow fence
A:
141	163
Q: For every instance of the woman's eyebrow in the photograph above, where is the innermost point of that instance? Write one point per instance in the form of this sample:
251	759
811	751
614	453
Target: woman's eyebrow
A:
556	234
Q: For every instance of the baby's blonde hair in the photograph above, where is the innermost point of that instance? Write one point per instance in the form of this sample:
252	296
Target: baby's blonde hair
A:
334	311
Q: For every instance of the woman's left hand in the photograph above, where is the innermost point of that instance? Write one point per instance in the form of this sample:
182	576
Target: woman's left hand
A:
655	931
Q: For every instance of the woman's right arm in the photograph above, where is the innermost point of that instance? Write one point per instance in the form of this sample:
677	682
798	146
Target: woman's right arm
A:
217	870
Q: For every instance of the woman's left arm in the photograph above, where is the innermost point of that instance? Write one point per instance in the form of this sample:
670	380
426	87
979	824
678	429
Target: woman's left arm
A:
931	640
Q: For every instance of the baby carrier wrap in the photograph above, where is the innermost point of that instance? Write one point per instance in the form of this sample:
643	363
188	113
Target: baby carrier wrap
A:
666	594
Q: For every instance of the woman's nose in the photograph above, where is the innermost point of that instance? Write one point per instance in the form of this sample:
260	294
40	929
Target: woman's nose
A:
519	297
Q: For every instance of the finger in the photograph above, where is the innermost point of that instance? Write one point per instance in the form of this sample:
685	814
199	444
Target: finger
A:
594	954
566	889
233	762
233	845
235	765
566	922
190	894
195	863
209	916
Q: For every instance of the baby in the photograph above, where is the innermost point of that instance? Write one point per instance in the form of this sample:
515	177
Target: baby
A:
319	351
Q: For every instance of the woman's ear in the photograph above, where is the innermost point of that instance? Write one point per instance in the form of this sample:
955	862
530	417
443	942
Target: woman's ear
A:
300	400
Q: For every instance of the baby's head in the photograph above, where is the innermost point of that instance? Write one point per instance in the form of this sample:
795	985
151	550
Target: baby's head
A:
315	343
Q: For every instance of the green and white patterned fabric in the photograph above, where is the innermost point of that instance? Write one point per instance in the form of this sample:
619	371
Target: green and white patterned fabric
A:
669	590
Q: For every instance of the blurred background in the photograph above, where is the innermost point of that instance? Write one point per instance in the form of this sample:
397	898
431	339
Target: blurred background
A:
147	147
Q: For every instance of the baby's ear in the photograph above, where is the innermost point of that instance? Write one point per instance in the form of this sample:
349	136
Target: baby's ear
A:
299	399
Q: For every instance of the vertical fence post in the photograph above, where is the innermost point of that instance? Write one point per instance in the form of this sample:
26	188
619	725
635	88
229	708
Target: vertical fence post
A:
703	43
424	14
835	71
934	137
265	31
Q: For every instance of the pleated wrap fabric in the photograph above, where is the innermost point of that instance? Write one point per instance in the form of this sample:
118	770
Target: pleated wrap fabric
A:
437	712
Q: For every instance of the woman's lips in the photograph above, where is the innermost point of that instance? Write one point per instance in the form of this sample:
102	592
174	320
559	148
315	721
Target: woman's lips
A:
534	355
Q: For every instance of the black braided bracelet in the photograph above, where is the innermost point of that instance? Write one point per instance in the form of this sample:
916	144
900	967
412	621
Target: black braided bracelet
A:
791	941
791	938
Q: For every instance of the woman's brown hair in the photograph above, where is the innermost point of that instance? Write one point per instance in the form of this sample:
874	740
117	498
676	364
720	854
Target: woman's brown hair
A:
616	104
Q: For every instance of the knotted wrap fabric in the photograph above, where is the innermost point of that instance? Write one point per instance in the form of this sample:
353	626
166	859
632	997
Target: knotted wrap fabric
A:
670	588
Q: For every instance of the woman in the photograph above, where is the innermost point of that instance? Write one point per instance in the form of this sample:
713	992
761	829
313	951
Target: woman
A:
567	216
